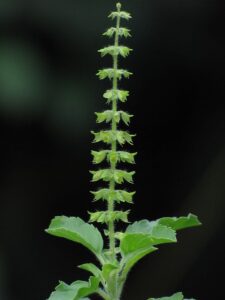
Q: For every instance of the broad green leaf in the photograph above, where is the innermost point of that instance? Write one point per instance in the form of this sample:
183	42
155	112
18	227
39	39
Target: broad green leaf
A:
143	234
120	14
122	31
75	229
129	260
181	222
177	296
139	240
113	195
75	291
92	269
113	73
112	95
109	216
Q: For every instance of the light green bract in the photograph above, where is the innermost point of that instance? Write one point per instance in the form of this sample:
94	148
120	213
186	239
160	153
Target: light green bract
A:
123	249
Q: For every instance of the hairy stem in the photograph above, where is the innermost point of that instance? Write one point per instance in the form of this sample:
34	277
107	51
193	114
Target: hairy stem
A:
111	225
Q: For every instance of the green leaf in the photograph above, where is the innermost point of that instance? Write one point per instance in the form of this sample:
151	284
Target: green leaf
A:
112	95
177	296
142	234
92	269
181	222
110	136
115	50
75	229
109	216
120	14
113	195
139	240
113	73
75	291
122	31
108	271
130	259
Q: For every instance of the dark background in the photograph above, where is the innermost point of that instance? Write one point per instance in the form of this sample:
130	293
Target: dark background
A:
48	95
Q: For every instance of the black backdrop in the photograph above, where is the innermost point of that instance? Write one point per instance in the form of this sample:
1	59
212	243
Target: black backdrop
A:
48	95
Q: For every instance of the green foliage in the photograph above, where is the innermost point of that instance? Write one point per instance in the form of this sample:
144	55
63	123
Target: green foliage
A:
177	296
75	291
76	230
140	238
180	223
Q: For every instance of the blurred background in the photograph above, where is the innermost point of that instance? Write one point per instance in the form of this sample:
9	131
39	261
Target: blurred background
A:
48	95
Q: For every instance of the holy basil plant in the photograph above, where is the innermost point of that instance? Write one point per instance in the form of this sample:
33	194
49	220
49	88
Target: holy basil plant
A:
123	249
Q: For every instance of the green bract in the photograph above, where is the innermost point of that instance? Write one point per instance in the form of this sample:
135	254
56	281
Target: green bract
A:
124	248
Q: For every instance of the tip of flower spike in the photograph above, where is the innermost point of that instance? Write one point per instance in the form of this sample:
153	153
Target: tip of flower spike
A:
118	6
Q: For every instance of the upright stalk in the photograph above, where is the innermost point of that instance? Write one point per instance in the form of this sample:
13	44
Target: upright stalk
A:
113	164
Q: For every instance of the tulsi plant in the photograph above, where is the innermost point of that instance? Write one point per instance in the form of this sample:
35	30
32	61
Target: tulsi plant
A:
124	248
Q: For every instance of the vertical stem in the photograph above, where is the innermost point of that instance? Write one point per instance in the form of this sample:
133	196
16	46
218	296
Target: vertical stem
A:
111	225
